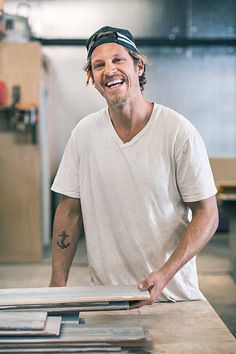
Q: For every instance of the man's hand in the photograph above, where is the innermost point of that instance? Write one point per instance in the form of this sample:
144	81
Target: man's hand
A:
198	232
154	283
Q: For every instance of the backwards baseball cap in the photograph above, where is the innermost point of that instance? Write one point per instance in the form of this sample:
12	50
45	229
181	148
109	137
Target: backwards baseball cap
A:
109	34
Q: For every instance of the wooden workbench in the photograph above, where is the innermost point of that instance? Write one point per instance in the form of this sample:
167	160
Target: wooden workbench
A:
175	328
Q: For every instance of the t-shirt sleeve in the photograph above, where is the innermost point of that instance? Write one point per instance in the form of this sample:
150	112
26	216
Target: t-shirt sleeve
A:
67	178
193	172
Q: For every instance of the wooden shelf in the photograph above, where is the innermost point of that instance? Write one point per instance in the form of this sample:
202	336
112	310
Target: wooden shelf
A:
226	190
20	218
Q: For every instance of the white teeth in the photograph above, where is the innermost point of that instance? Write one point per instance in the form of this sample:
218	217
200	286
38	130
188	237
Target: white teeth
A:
114	82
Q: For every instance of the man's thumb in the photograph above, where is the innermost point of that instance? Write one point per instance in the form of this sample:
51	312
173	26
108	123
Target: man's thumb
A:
145	284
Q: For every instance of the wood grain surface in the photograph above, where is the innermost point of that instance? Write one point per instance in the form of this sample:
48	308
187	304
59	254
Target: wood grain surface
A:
65	350
189	327
82	334
62	295
70	307
22	320
52	328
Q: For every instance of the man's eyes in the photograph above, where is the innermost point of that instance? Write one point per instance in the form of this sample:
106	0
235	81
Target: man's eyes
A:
118	60
98	65
114	60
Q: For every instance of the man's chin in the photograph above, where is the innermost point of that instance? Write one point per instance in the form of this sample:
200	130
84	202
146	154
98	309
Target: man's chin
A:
117	102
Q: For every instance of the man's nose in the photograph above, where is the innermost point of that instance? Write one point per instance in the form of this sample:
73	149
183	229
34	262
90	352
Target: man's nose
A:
110	69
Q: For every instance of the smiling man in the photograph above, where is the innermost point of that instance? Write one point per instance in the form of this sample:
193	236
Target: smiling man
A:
130	174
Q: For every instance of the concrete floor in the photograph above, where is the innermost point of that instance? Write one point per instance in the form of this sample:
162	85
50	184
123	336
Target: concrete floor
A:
213	268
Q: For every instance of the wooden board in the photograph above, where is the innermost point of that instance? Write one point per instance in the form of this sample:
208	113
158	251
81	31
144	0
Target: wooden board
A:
64	350
82	334
52	328
22	320
23	296
71	307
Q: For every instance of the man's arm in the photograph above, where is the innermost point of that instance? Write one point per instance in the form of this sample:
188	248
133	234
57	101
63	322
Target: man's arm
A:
200	230
66	230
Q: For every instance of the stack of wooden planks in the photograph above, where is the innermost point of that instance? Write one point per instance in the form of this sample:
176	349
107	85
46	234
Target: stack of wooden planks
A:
28	324
46	320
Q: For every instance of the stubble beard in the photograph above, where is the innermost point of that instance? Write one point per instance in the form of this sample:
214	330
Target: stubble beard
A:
117	102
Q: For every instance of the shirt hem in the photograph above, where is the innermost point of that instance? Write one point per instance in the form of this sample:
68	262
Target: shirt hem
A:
64	192
197	198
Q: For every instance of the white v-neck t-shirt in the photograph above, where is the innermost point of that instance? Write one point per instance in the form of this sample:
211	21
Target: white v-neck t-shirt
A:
133	195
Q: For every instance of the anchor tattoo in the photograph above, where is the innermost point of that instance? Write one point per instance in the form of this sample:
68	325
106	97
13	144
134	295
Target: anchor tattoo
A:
62	244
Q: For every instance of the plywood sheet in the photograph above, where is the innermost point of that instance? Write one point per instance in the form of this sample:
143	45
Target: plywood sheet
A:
22	320
223	168
52	328
21	65
20	200
62	295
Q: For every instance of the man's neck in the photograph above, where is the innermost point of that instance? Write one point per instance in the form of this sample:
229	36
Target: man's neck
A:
130	119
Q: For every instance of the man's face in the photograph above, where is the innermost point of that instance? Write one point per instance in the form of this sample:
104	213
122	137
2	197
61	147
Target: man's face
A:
114	73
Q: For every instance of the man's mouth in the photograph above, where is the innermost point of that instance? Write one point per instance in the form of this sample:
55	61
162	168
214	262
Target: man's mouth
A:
114	83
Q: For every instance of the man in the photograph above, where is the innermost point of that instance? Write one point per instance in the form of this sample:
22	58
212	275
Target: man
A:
132	172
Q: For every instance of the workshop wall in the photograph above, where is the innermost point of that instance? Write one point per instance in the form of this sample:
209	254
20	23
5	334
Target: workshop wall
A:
198	81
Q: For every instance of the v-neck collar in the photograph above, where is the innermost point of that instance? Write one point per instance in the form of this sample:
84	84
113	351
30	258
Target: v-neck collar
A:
137	136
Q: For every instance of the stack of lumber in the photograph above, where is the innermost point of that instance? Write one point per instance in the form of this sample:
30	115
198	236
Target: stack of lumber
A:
46	320
69	299
28	324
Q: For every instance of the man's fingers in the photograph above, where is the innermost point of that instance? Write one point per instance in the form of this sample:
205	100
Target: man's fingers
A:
151	284
147	283
141	286
138	304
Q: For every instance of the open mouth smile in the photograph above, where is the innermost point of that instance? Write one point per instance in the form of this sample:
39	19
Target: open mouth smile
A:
114	83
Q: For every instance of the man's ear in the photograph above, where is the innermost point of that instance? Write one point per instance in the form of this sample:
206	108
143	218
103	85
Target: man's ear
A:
140	67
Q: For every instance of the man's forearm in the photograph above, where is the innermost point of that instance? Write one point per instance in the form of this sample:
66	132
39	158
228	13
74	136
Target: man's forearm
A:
198	233
67	227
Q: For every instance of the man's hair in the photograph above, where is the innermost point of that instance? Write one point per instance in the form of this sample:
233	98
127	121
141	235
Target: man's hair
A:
136	58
